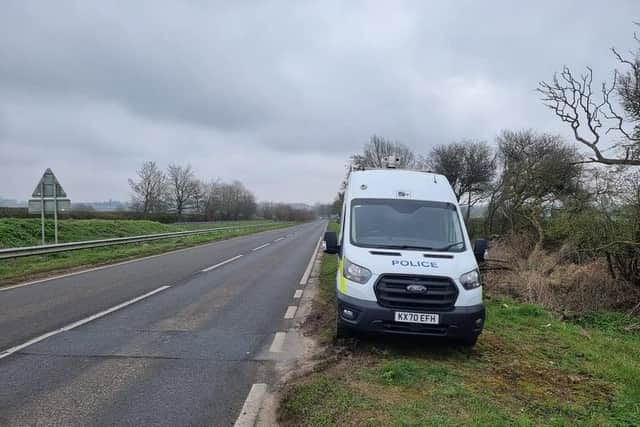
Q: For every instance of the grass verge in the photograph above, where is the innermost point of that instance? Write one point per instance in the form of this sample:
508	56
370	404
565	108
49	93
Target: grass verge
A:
19	269
17	232
528	368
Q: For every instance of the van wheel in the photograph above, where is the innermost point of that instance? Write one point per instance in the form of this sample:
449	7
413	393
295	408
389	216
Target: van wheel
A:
469	341
343	331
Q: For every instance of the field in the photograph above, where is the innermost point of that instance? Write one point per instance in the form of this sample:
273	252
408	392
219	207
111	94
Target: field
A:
529	368
26	232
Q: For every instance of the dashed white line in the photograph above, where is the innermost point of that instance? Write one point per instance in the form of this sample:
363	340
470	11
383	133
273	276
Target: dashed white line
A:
278	342
102	267
73	325
260	247
291	311
278	239
298	294
220	264
251	407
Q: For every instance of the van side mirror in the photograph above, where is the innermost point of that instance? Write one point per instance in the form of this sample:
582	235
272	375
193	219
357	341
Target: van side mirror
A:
480	247
331	242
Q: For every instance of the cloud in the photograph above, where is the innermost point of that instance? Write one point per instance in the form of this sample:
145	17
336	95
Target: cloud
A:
277	94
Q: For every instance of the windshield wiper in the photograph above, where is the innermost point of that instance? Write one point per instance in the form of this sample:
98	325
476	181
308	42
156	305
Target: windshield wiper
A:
446	248
420	248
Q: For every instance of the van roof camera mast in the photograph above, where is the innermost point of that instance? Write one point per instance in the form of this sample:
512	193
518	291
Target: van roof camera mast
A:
391	162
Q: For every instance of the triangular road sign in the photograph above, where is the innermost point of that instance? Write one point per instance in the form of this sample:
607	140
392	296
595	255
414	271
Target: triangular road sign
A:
49	183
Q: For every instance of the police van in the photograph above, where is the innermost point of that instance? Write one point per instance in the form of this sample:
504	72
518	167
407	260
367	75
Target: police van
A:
406	265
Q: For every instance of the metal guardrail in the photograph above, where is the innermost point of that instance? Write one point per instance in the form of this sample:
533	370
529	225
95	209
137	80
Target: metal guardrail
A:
72	246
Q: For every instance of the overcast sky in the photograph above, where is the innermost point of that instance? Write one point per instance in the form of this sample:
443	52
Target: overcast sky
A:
275	94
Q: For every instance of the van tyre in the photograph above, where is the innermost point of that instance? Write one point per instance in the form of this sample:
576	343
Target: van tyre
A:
469	341
343	331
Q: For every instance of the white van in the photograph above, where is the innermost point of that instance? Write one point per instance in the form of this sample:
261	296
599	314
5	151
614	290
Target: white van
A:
406	265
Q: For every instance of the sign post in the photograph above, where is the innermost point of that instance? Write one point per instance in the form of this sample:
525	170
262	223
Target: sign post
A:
51	198
42	210
55	213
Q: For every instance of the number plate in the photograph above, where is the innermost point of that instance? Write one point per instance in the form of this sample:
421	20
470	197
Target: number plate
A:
425	318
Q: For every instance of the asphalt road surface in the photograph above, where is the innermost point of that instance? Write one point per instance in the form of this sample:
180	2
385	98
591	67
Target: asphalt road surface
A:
168	340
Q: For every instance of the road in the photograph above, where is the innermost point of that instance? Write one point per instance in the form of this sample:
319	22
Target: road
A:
175	339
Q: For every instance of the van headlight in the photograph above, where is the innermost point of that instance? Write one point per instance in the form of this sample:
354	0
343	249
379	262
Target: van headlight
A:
471	280
355	272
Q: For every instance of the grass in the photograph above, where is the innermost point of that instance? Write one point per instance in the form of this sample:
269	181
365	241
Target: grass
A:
16	232
528	369
321	321
25	232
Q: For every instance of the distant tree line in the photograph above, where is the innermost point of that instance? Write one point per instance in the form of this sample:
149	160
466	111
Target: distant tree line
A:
178	191
284	212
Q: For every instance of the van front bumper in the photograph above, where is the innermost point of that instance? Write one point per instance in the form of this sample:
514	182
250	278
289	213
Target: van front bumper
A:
369	316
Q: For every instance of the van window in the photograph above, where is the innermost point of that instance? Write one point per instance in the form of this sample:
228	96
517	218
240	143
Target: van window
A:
406	224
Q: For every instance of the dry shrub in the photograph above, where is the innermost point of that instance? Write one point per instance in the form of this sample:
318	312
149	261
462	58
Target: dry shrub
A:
548	279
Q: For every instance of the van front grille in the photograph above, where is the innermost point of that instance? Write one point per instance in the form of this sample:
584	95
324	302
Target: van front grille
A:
398	291
414	328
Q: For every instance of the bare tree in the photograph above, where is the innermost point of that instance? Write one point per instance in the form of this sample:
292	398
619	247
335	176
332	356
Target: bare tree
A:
537	172
229	201
211	200
378	148
592	116
468	165
150	191
182	185
199	195
629	87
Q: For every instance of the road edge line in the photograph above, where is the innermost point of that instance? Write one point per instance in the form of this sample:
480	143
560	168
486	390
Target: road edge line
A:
278	342
305	277
251	408
291	312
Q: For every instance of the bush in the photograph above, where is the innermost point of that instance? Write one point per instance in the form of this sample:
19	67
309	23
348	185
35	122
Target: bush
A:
594	234
165	218
14	213
554	282
476	228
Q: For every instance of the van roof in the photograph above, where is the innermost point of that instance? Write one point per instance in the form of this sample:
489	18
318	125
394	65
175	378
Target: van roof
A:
400	184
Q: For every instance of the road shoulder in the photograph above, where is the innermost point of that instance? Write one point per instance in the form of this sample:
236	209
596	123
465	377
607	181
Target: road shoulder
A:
293	351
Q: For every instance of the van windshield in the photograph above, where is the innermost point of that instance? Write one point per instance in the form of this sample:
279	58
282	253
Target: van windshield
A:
406	224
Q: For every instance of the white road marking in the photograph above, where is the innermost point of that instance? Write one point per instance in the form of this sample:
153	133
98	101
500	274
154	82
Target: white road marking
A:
278	239
74	325
220	264
278	342
298	294
251	407
260	247
102	267
307	272
291	311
